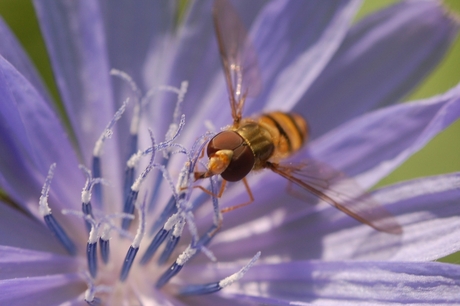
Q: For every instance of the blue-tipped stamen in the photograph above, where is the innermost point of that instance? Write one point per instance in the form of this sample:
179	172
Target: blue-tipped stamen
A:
91	251
154	245
105	249
214	287
98	149
168	211
87	210
128	262
132	197
86	194
134	248
91	255
60	234
96	169
172	242
128	208
128	181
104	243
51	222
176	266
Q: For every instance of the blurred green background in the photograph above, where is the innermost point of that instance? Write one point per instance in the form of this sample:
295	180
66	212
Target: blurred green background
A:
441	155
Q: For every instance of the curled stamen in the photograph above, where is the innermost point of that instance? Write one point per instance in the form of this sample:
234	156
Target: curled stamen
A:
86	206
213	287
126	77
98	149
134	248
132	197
178	109
56	229
172	242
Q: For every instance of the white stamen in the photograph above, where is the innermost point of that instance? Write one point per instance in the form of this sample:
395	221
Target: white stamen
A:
141	228
93	236
185	256
43	202
107	133
234	277
105	235
177	232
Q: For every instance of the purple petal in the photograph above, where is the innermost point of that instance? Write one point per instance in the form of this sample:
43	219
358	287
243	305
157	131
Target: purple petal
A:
19	263
144	56
21	231
74	35
153	24
31	139
12	51
290	228
41	290
281	46
375	144
381	60
341	283
296	40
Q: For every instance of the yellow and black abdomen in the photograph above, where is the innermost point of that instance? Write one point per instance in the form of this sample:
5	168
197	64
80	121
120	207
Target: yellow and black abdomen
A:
289	132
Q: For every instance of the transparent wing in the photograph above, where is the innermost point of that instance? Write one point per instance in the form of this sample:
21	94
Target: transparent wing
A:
339	190
238	57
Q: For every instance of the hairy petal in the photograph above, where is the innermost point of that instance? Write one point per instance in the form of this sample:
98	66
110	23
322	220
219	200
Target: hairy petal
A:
380	61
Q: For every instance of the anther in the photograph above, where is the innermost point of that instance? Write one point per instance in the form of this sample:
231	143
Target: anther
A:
128	207
134	248
176	266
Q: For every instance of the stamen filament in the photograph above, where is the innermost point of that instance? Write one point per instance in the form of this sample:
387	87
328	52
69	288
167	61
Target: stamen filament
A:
98	149
132	197
134	248
56	229
176	266
172	242
214	287
91	248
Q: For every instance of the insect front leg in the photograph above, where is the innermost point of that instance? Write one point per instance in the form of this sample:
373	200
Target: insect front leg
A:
251	199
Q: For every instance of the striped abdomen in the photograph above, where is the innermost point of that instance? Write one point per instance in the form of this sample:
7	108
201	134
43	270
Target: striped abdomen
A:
274	136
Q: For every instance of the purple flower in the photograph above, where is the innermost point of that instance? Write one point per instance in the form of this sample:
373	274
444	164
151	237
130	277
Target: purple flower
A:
345	79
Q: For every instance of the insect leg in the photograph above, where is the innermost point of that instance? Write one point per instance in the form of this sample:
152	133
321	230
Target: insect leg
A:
251	199
221	190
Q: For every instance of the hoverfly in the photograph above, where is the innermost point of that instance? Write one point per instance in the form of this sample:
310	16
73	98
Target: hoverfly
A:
264	142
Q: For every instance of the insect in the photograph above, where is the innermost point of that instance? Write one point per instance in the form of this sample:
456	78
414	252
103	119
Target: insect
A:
264	142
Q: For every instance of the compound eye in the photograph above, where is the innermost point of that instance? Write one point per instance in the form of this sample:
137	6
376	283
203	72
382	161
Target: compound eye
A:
241	164
227	140
243	157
